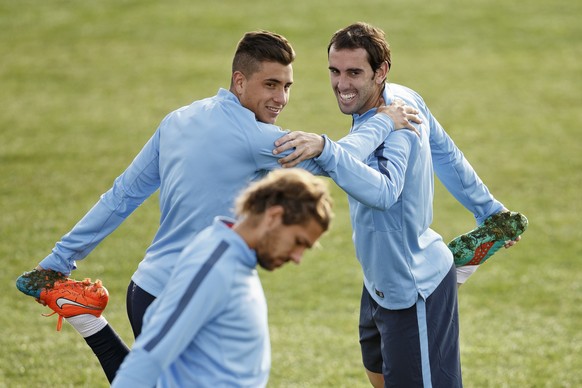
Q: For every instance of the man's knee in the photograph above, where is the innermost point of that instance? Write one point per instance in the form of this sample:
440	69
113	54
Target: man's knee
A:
376	379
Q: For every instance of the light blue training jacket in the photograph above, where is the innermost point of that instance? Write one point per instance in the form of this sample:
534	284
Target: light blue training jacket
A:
200	157
208	328
401	256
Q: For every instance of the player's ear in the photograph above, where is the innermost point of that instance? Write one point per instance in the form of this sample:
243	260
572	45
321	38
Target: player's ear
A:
381	73
274	215
238	82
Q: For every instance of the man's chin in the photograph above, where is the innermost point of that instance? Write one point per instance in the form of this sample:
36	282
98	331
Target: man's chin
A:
267	119
265	266
345	109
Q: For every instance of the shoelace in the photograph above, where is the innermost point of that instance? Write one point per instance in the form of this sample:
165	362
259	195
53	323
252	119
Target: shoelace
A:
59	321
86	282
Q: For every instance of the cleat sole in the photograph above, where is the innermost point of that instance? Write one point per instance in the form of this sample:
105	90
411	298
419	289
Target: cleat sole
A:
478	245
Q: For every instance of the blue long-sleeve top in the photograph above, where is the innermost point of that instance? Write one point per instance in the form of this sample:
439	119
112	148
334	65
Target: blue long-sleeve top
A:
208	328
200	157
401	256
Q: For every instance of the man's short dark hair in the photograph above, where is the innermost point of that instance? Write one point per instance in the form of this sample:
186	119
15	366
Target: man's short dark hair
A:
366	36
261	46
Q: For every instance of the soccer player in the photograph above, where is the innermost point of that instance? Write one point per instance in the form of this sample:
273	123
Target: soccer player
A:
200	156
409	328
208	327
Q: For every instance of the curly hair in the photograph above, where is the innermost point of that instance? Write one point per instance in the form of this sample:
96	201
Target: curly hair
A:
302	196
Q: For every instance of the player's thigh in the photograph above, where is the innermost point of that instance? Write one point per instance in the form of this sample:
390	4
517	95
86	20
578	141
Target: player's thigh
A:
401	347
442	321
137	303
370	339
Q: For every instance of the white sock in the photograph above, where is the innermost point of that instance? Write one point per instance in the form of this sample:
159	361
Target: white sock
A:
87	324
464	272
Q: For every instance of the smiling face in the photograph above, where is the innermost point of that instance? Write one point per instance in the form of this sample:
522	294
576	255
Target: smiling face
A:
266	91
356	86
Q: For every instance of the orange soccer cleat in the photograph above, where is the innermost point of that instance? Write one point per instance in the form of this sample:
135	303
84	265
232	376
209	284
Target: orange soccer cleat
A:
66	297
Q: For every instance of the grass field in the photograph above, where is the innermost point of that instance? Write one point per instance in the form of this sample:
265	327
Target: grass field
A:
83	85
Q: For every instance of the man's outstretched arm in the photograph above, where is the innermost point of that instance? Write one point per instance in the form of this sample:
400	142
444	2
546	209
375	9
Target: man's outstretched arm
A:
360	144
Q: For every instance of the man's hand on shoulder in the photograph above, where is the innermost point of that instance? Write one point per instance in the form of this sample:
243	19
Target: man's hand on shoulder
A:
305	146
402	115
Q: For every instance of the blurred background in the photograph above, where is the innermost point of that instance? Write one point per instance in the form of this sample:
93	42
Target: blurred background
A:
83	85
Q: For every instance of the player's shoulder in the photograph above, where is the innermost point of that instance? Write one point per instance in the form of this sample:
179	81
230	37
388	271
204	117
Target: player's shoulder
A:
404	92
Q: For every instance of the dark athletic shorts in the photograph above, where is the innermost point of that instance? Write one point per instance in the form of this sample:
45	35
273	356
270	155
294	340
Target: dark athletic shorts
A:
414	347
137	303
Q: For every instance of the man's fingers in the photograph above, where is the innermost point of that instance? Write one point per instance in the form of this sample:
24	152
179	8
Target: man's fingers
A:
411	110
283	145
413	129
302	145
412	114
291	160
414	118
510	243
292	156
284	139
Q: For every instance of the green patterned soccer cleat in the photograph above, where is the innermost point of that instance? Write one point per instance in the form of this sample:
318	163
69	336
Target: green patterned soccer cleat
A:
476	246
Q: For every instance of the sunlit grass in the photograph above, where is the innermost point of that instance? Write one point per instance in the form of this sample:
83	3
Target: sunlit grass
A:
85	84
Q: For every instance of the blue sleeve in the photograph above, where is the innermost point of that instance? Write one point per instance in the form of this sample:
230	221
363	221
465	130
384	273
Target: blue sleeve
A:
362	142
457	175
139	181
194	295
262	143
379	190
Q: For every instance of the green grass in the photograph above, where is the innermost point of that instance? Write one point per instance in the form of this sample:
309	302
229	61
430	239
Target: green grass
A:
83	85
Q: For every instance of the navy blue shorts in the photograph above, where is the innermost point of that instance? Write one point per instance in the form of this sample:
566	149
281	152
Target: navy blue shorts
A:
137	302
414	347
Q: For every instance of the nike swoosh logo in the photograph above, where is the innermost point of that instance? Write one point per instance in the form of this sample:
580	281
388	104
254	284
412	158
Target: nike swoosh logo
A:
64	301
